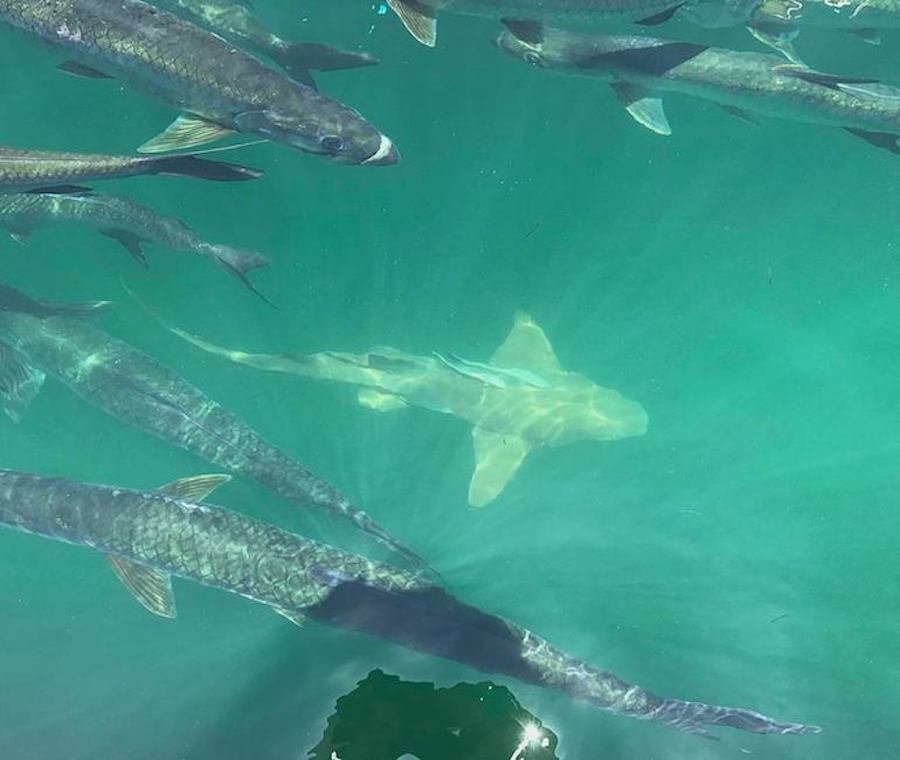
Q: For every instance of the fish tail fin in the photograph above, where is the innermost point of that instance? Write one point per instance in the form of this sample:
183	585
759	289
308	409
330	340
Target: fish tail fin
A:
239	263
299	58
203	168
694	717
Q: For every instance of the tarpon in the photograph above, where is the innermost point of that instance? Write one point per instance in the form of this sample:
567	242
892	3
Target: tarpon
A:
123	220
420	16
149	536
508	420
42	339
747	84
219	88
23	169
234	20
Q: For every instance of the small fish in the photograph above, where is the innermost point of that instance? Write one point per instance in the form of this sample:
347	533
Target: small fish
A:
148	536
218	88
129	223
236	21
496	377
40	338
640	68
23	169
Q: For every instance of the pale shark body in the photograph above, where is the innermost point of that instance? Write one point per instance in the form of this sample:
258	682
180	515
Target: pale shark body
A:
218	88
150	536
641	68
508	420
39	339
234	20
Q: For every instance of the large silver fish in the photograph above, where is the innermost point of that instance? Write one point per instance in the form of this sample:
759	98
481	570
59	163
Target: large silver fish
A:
420	16
123	220
219	88
148	536
24	169
40	339
747	84
236	21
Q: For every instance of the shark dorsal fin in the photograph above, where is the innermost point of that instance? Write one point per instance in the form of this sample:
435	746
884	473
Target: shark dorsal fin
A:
526	347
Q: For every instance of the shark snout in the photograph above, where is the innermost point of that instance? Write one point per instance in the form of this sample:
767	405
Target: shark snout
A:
386	155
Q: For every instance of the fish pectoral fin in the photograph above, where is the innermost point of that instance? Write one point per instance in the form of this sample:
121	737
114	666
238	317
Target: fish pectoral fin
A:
660	18
380	401
20	383
653	60
130	241
81	70
645	109
194	489
779	37
497	457
151	587
529	32
884	140
187	131
297	618
420	20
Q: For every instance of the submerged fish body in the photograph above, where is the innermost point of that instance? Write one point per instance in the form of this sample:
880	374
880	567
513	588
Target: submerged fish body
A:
420	16
135	388
756	83
150	536
219	88
236	21
124	220
22	169
509	419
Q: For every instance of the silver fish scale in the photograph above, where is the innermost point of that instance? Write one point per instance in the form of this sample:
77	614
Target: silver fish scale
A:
30	167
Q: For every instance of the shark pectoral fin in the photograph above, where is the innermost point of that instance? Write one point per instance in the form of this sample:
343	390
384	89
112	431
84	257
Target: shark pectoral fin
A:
643	108
419	20
526	347
80	70
497	457
869	36
779	37
19	383
194	489
151	587
129	241
379	400
187	131
659	18
297	618
529	32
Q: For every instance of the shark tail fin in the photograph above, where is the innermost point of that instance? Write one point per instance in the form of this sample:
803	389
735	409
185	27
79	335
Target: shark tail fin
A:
299	58
693	717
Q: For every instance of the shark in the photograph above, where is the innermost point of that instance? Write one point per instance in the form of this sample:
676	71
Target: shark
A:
519	401
150	535
40	339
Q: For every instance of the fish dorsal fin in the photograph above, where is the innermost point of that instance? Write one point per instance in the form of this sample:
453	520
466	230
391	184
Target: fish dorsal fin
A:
130	241
643	108
187	131
526	347
297	618
419	20
497	457
529	32
20	383
194	489
151	587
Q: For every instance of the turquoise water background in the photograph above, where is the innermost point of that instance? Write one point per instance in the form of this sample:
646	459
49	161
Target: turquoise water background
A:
742	283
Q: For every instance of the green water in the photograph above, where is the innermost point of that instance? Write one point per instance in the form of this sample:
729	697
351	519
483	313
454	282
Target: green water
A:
742	283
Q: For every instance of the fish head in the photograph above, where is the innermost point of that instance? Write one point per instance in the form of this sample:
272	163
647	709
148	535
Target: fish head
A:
530	51
320	126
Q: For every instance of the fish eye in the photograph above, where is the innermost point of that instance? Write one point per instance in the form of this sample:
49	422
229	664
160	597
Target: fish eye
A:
531	57
332	143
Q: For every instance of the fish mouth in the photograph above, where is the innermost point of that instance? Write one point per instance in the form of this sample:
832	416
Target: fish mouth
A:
386	155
